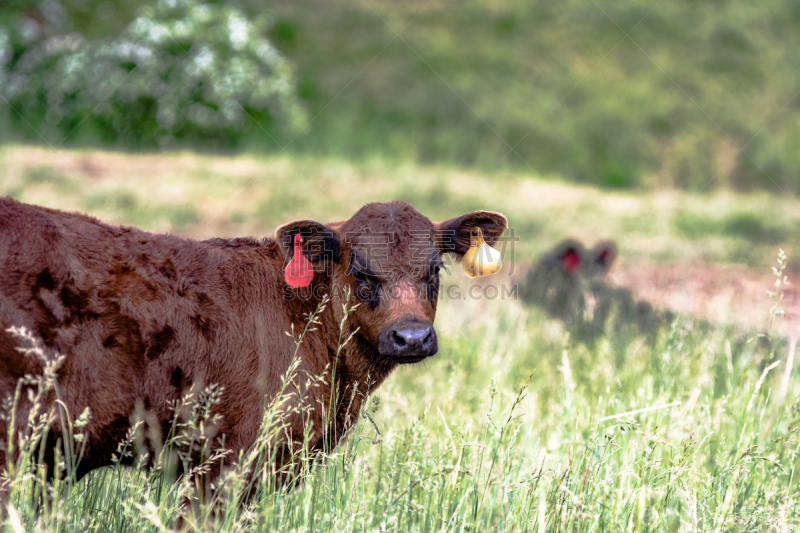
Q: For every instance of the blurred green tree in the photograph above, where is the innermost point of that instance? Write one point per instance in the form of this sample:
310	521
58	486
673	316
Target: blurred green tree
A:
180	69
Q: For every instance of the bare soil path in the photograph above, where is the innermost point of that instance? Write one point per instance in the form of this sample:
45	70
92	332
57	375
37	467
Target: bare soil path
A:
721	293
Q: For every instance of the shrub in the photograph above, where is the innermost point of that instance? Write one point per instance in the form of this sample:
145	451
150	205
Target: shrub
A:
180	69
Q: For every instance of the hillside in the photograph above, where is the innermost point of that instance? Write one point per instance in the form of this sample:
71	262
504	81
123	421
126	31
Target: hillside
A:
694	95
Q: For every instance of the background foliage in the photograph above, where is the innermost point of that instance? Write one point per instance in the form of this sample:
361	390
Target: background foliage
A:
624	94
180	71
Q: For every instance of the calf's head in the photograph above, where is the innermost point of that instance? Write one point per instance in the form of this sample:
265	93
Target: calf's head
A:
573	260
390	257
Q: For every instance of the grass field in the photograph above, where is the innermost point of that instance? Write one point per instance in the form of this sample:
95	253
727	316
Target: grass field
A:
512	426
203	196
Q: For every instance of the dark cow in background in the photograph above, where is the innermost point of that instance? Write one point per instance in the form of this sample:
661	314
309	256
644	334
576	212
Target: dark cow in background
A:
570	284
560	280
141	318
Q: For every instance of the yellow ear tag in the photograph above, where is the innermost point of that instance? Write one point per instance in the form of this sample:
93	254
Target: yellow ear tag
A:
481	259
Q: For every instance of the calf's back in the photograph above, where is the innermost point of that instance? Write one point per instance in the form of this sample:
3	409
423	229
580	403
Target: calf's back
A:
142	317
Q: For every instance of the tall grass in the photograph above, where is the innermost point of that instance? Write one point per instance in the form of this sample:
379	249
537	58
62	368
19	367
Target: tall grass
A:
512	427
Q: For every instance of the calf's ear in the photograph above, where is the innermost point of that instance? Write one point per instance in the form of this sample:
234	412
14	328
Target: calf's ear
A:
319	241
453	234
602	256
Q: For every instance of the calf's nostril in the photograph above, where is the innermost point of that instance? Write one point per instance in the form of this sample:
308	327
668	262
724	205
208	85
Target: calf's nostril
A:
427	340
398	339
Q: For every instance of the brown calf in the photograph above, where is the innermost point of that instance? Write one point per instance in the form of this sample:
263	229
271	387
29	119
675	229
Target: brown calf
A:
560	280
141	317
569	282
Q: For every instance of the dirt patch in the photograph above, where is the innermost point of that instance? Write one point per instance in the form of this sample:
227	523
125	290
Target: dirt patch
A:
720	293
725	294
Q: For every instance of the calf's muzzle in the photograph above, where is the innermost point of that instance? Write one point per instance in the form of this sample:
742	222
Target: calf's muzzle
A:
408	342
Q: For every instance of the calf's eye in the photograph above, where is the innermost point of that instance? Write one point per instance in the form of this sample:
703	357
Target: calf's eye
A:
433	276
366	288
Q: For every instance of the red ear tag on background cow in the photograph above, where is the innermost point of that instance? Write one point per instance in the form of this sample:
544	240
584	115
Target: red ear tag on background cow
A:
571	261
299	272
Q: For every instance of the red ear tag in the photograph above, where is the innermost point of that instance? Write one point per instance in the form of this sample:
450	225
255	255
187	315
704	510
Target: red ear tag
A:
299	272
571	261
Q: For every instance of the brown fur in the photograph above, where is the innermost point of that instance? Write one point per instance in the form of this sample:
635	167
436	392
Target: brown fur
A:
142	317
